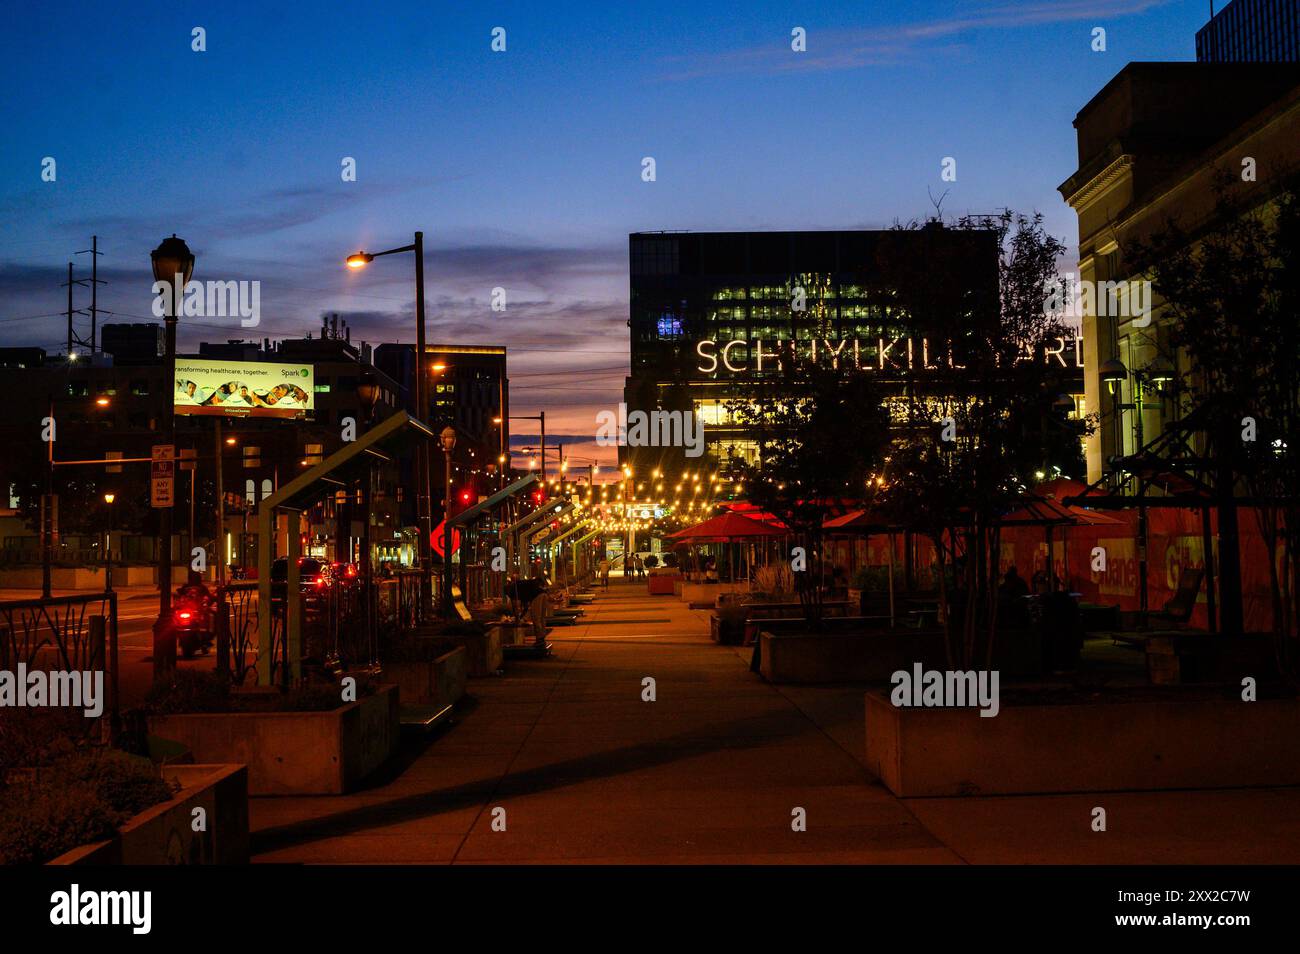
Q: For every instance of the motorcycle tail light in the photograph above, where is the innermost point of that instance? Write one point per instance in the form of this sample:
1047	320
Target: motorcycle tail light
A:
184	615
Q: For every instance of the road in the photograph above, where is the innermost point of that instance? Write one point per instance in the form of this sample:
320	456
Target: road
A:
137	610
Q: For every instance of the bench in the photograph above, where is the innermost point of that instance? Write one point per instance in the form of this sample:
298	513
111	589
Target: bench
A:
737	623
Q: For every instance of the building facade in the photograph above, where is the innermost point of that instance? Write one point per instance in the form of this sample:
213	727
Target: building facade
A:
1155	144
717	317
469	390
1251	31
111	405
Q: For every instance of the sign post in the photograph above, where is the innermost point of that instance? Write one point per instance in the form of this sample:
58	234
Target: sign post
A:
162	476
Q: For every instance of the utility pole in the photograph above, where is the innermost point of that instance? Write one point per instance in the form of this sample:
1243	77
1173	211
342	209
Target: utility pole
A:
69	283
95	282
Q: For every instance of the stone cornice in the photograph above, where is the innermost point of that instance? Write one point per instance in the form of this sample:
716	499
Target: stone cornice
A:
1089	191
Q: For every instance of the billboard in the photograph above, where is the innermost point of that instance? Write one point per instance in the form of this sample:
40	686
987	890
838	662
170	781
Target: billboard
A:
256	388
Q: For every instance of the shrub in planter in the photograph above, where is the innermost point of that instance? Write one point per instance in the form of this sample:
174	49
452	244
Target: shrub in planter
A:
127	784
38	823
871	579
775	579
192	692
189	691
32	737
76	801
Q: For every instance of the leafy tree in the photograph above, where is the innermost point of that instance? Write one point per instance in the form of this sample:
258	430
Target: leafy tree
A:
1233	294
976	438
822	433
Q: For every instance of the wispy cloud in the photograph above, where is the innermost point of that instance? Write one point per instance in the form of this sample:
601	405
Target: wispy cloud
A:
847	49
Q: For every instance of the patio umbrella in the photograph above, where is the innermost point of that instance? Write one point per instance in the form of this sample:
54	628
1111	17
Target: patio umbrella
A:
727	528
865	522
1042	506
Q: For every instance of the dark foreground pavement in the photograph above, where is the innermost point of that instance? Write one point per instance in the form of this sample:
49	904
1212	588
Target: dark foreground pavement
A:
711	772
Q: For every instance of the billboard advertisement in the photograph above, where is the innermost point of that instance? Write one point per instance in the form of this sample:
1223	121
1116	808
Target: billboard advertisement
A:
245	388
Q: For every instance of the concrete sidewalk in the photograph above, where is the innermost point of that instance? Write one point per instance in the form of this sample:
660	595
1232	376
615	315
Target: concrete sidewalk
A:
711	772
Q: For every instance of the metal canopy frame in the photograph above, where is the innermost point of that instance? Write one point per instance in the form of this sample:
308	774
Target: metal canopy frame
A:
376	444
527	536
471	514
1207	482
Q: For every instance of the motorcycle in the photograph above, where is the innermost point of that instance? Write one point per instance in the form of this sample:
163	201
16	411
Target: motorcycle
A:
192	621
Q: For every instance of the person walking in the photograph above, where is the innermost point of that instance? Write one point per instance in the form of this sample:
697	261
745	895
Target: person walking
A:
604	573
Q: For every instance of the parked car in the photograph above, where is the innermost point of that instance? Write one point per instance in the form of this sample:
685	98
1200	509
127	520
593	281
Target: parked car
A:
315	580
345	574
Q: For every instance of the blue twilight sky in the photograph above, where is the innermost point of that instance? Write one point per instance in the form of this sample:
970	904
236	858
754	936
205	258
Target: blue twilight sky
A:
523	167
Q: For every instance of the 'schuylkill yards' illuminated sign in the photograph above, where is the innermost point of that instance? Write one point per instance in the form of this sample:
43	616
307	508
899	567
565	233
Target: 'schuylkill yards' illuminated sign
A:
885	355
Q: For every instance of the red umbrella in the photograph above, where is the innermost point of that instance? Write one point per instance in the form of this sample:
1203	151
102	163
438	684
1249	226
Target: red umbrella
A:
727	526
746	509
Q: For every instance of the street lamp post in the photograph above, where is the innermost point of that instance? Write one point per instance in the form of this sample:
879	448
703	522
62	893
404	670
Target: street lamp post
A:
108	545
539	416
47	509
173	264
423	479
448	438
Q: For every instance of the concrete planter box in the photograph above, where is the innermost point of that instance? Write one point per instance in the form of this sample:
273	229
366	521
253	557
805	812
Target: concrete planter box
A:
663	584
810	658
1199	657
164	834
513	634
294	753
1094	747
438	681
847	652
706	594
483	653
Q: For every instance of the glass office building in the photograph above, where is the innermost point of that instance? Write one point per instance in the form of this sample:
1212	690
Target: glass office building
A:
718	318
1252	31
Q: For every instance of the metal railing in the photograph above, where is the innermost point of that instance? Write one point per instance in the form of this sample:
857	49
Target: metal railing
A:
236	623
64	633
343	626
